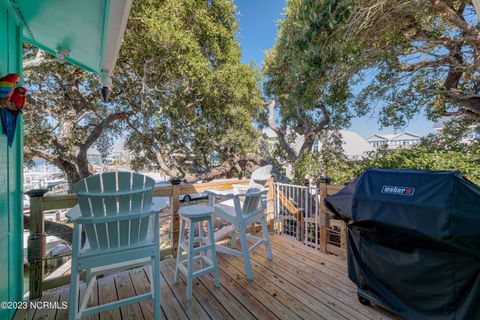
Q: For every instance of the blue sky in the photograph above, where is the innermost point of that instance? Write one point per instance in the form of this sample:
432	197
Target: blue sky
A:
258	30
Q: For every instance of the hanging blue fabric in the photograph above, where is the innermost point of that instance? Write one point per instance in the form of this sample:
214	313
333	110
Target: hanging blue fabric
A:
9	124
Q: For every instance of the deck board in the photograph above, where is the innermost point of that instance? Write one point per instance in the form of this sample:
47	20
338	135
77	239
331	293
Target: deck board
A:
125	290
107	292
300	283
286	295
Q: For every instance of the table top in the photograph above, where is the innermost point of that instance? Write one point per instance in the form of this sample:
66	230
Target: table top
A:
196	211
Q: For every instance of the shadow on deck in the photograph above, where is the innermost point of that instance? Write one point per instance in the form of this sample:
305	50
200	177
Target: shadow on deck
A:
300	283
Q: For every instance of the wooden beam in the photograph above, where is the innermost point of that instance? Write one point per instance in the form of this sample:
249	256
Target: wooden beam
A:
270	203
55	202
343	235
336	250
36	243
214	185
332	189
287	204
175	218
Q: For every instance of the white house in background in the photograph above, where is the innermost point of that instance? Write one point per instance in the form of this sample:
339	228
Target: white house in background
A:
354	146
394	141
269	134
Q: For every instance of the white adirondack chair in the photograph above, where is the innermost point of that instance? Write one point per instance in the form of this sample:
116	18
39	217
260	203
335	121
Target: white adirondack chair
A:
241	210
258	179
121	223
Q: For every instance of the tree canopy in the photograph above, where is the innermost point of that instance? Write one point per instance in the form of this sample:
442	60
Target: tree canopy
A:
182	100
198	101
412	55
433	153
65	115
305	79
336	59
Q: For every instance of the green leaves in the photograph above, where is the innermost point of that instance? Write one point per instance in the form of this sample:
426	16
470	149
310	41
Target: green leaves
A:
199	100
441	152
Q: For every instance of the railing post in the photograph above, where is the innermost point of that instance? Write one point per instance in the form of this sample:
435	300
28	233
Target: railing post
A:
270	203
36	243
175	218
343	235
324	216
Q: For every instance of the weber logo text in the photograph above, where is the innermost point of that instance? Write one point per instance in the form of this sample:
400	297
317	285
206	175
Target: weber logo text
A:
402	191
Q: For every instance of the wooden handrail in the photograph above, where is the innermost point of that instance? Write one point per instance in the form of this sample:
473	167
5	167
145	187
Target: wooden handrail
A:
54	202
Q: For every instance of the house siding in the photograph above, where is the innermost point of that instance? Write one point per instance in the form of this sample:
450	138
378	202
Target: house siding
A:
11	163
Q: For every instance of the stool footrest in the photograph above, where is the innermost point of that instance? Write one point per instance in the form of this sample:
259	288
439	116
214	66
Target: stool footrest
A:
203	248
205	259
203	271
183	268
184	246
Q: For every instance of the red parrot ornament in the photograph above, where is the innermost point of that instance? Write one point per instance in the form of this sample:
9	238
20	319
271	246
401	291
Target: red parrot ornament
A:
18	98
7	85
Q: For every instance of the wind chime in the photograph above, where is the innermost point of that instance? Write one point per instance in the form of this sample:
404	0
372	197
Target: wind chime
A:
12	100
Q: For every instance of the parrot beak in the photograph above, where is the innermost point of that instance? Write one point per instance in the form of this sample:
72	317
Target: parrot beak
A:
106	91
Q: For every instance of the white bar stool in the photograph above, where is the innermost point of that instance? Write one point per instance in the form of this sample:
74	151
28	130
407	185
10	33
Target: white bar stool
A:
208	260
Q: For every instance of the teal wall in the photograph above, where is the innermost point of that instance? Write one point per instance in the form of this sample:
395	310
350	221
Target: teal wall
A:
11	219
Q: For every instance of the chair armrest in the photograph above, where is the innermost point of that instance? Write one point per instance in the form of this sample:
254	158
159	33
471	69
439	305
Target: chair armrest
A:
253	194
221	194
240	188
73	214
116	218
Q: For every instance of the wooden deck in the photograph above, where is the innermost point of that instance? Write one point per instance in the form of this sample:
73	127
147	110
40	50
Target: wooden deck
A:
300	283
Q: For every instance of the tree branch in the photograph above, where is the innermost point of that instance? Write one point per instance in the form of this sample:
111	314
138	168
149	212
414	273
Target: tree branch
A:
445	61
98	129
462	112
454	74
27	150
280	134
454	18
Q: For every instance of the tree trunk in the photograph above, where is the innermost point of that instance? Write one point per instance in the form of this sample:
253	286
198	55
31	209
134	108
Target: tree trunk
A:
71	172
246	164
83	164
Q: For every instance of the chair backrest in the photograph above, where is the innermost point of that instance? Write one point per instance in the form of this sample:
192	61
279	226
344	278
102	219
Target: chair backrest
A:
257	183
260	177
251	202
115	194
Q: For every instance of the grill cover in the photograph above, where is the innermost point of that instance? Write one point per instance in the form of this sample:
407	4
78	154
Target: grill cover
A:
414	241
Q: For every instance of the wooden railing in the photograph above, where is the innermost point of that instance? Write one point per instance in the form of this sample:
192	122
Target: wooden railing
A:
328	224
39	203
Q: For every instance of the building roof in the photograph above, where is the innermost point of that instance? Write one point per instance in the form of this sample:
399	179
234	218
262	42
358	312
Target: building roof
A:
354	145
393	136
269	133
